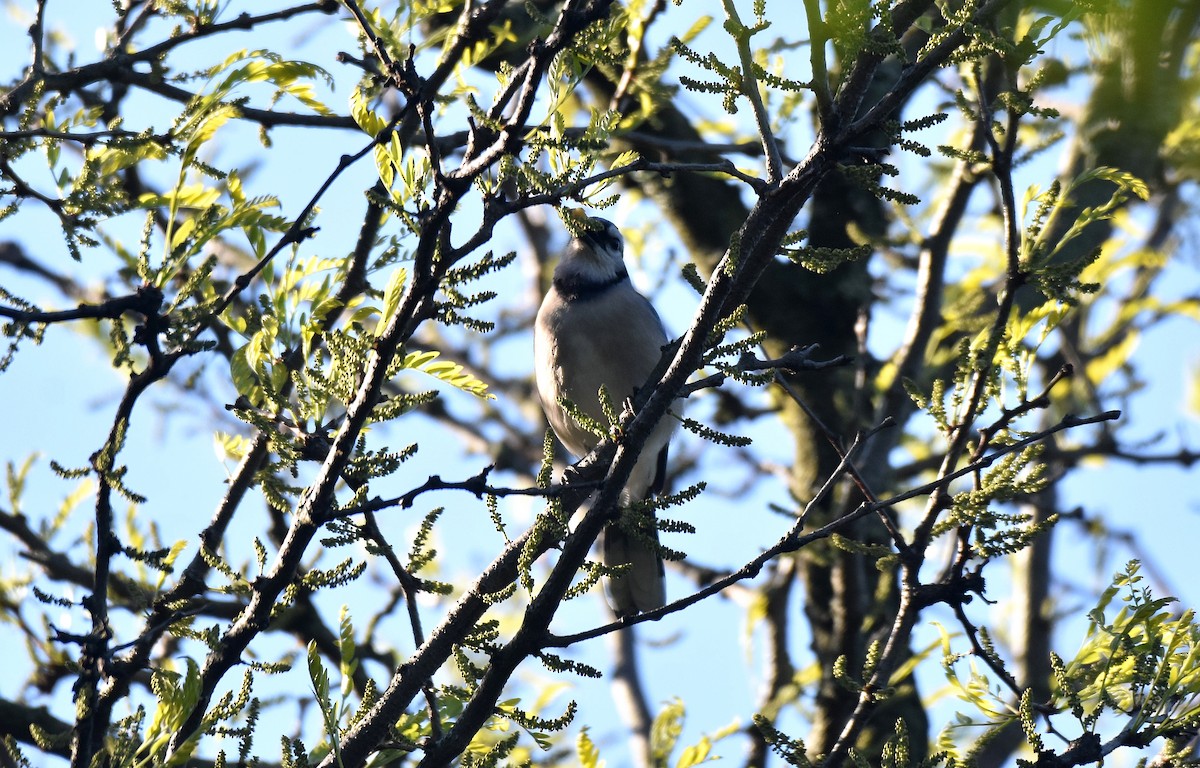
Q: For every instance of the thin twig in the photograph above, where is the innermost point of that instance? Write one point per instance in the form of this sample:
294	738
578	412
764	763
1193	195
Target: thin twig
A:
748	84
926	314
795	360
789	542
395	72
120	68
818	37
411	586
476	485
885	515
634	57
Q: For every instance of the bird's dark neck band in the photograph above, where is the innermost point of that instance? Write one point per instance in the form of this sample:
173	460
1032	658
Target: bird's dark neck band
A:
576	287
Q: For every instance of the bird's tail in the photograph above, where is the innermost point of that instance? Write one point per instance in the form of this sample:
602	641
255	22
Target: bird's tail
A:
642	587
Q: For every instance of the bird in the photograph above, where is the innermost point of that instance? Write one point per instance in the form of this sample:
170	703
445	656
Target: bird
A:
594	329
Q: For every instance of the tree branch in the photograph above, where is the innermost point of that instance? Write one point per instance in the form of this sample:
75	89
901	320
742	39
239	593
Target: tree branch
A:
145	302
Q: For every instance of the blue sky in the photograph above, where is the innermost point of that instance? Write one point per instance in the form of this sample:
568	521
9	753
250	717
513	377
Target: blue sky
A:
59	398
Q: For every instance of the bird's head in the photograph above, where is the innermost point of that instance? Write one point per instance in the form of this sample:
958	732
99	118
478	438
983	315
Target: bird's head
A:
596	254
603	237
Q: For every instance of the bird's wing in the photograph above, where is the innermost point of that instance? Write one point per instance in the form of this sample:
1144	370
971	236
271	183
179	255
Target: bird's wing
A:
614	340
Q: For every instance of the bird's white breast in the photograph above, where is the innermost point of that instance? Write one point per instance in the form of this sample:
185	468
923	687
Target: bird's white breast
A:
613	339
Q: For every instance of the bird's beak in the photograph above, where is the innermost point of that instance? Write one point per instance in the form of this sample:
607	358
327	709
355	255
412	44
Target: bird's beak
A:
592	228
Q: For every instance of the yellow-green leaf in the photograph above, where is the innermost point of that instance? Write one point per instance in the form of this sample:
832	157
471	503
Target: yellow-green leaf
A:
449	372
391	298
695	754
664	733
186	196
587	752
369	121
1100	368
244	379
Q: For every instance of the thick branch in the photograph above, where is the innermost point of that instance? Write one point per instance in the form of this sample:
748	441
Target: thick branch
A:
145	302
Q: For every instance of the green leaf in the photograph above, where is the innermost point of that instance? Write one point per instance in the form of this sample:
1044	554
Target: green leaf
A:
695	754
444	370
111	160
1114	359
202	130
586	751
383	166
182	233
1124	181
245	381
185	196
369	121
391	299
318	675
172	555
664	733
347	649
1194	391
697	27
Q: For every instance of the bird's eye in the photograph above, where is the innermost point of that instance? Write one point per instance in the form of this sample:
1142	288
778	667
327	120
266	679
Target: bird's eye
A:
611	238
607	237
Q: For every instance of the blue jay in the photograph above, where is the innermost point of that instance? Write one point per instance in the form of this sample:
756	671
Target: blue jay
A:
594	329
